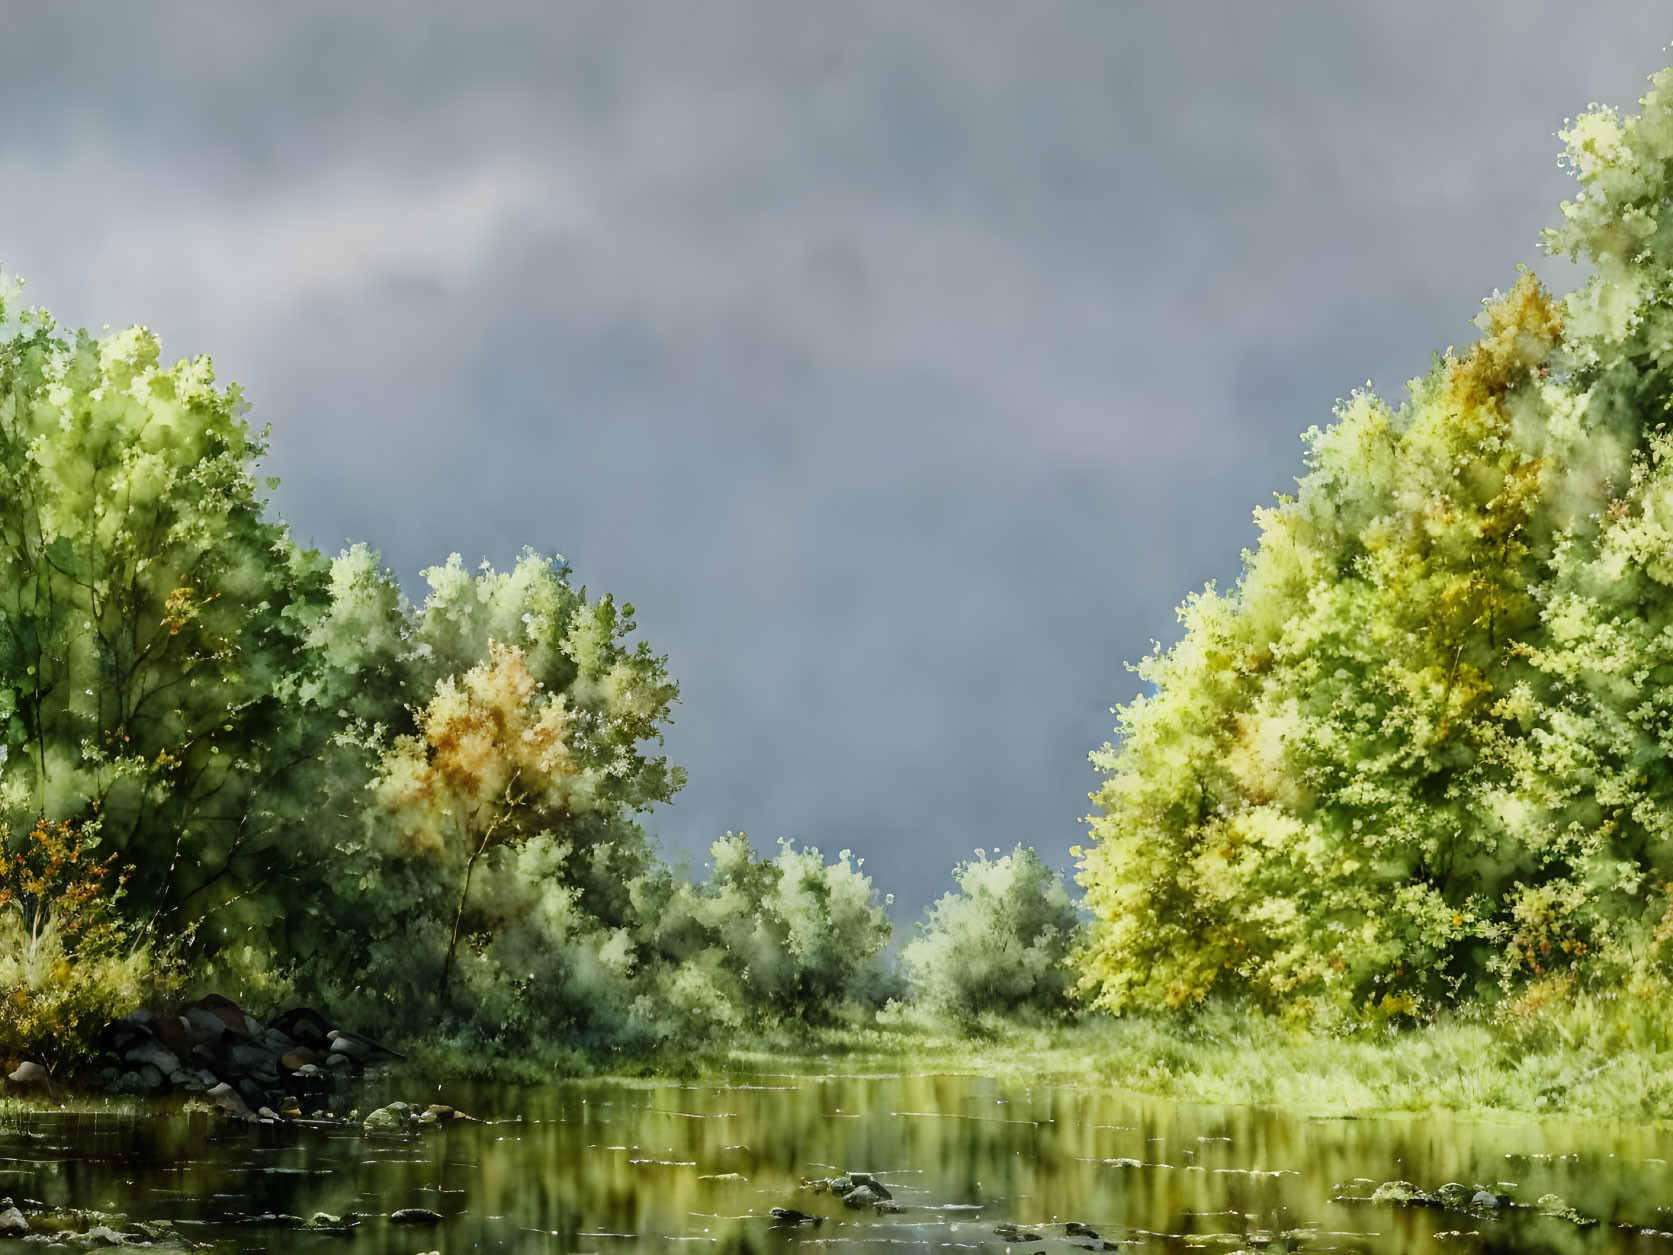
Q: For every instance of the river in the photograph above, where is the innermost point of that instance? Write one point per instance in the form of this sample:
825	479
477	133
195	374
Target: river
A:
692	1166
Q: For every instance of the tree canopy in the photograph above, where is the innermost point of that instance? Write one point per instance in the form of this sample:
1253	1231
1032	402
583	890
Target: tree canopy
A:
1424	750
273	775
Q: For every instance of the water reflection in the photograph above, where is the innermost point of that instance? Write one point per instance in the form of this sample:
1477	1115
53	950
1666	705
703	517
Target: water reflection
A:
975	1165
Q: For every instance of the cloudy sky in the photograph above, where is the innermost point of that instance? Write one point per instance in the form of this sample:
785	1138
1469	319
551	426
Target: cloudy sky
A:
904	363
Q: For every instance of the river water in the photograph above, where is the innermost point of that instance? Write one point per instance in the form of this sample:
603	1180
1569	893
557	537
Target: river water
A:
696	1166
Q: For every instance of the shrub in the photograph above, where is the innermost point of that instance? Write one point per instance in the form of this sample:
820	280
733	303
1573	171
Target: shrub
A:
804	935
999	943
68	966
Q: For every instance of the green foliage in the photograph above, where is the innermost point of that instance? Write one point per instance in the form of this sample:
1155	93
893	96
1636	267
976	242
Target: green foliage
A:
501	791
425	818
68	964
999	943
1421	752
790	937
148	616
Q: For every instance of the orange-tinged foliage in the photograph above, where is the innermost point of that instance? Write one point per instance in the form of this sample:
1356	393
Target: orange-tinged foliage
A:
488	743
1520	332
66	960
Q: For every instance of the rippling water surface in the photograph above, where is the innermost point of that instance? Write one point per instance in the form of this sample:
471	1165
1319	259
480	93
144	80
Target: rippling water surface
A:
695	1166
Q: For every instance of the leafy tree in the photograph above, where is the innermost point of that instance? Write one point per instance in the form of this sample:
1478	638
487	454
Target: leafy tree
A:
999	943
801	937
522	754
1422	750
148	616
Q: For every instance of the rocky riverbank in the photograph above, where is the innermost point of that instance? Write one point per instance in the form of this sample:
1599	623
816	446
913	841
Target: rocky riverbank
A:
300	1062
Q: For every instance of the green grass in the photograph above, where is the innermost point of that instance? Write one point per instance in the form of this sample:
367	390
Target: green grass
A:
1592	1057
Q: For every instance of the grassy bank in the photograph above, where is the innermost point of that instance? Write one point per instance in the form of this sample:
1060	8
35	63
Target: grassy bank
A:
1594	1057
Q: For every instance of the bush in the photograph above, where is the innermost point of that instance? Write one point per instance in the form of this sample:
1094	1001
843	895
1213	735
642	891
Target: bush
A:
999	943
802	936
68	966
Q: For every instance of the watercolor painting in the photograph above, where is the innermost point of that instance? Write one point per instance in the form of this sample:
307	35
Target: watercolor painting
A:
752	627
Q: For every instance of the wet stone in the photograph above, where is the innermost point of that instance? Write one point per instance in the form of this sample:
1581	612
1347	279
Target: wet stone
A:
387	1120
864	1196
1555	1206
415	1216
1401	1193
790	1216
12	1223
99	1236
1454	1195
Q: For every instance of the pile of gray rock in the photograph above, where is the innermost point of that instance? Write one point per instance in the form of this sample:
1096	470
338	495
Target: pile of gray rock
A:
213	1047
856	1190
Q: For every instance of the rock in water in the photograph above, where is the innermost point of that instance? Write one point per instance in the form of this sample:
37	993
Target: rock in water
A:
386	1121
864	1196
12	1223
867	1179
1555	1206
790	1216
1008	1232
415	1215
230	1101
1454	1195
1402	1192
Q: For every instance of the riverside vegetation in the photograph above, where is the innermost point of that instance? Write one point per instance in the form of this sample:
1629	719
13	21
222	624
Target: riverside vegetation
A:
1399	799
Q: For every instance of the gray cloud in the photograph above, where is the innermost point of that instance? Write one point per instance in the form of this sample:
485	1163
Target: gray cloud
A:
905	364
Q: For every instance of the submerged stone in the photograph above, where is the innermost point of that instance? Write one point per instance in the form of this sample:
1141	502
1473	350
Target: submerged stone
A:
1401	1193
790	1216
415	1215
1556	1206
865	1196
1454	1195
387	1120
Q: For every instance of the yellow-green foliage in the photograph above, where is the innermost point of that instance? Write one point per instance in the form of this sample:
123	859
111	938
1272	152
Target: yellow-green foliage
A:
67	964
1421	752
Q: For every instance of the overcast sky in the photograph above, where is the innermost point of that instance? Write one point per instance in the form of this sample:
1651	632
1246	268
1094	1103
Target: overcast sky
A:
904	364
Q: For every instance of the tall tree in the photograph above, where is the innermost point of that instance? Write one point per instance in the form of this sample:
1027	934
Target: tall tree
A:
149	614
1422	750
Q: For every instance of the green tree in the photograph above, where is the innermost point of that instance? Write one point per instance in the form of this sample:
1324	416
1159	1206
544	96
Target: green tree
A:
1421	751
149	617
505	792
999	943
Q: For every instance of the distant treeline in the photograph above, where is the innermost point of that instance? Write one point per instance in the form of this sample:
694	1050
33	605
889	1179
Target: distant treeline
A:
230	761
